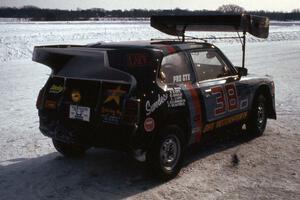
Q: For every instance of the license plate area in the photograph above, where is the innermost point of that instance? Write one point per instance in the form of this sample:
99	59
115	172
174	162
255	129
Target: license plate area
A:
80	113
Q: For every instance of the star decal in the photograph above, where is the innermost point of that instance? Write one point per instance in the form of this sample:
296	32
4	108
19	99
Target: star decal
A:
115	95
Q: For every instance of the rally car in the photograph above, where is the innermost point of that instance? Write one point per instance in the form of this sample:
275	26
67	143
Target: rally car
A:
153	98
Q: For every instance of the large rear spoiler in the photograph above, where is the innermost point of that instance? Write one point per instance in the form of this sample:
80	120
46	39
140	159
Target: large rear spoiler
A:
73	61
178	25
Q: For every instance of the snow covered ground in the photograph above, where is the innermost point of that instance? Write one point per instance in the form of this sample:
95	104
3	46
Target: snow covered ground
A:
30	168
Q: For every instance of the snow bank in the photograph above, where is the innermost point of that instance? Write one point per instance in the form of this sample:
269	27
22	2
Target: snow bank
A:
18	39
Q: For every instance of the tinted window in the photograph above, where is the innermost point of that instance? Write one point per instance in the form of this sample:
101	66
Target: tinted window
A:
175	69
209	65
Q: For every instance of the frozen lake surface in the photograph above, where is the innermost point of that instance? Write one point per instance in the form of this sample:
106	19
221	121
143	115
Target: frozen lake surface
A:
30	168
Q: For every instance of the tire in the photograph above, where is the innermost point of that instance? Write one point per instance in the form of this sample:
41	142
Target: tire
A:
69	150
166	156
257	120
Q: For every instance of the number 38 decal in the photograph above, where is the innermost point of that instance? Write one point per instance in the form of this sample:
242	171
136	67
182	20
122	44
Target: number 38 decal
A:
226	99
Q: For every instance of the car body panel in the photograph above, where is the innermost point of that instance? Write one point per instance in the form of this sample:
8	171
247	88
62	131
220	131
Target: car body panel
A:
139	96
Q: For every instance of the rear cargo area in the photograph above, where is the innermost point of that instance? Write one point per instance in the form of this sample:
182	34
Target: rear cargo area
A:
84	98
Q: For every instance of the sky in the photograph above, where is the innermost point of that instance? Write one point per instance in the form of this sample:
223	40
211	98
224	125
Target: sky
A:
270	5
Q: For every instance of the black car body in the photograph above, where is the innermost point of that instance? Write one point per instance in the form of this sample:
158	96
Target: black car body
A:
131	95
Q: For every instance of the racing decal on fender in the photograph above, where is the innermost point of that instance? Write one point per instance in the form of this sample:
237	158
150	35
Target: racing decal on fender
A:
224	122
149	124
176	98
150	108
194	105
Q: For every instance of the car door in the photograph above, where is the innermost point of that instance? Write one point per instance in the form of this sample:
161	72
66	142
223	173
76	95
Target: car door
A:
176	76
222	93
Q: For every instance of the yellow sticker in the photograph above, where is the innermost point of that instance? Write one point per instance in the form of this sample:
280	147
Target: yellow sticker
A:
76	96
56	89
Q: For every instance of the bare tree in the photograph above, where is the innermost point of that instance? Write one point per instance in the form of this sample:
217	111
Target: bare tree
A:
297	10
231	8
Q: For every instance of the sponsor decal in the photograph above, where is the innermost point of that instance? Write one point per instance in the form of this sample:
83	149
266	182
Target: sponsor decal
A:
176	99
181	78
110	119
110	111
76	96
80	113
150	108
149	124
56	89
111	116
137	59
115	95
224	122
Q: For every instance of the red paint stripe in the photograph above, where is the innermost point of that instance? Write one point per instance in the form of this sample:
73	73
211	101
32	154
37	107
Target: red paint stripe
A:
197	106
170	49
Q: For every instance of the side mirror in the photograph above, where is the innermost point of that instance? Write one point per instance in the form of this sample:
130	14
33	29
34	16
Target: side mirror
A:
242	71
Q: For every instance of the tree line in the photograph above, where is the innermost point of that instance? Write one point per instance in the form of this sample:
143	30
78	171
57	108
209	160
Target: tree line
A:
38	14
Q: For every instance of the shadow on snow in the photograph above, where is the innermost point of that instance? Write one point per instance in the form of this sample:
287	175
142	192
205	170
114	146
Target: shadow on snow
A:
100	173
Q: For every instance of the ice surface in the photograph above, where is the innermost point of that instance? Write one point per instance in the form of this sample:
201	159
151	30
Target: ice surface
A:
30	168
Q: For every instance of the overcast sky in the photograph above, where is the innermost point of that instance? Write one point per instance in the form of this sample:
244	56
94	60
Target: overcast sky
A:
271	5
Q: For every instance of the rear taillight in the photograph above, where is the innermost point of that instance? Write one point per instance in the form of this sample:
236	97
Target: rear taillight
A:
38	102
50	104
131	112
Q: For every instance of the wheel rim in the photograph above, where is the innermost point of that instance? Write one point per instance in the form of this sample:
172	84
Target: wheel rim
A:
170	152
261	115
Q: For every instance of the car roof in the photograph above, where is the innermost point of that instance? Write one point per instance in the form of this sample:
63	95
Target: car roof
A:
165	46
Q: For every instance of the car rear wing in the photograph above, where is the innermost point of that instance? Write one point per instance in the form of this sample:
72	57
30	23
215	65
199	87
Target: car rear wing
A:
177	25
80	62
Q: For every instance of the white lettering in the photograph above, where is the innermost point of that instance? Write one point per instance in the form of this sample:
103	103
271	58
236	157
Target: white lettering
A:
150	108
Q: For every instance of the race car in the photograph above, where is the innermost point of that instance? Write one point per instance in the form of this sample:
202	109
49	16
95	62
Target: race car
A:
153	98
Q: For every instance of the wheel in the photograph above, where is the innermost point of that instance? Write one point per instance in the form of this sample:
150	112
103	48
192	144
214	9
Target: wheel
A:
257	120
69	150
166	156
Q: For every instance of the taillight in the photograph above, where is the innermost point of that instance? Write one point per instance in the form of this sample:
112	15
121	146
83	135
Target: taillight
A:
38	102
131	112
50	104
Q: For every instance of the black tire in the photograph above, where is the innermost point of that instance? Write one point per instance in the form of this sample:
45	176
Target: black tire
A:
69	150
166	156
257	120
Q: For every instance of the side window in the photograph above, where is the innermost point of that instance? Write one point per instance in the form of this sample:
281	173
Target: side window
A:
175	69
209	65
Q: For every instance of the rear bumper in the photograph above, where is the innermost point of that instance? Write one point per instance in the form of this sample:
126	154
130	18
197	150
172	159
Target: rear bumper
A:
125	137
